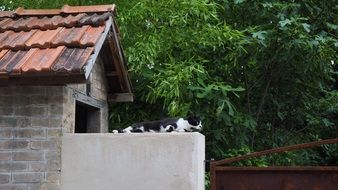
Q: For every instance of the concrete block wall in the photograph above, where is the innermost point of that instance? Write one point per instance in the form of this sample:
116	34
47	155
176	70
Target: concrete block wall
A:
68	111
97	80
30	131
32	121
98	91
99	87
150	161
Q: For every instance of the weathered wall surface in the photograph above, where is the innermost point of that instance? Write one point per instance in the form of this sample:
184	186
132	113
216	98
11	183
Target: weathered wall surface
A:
32	121
30	131
99	87
170	161
98	91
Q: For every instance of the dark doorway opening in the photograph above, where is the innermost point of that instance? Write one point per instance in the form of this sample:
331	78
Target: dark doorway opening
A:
87	118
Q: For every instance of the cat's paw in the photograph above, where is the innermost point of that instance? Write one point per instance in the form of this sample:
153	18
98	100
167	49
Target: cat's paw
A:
127	130
115	131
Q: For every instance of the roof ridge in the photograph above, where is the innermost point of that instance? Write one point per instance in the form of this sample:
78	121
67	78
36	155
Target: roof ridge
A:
88	8
4	14
66	9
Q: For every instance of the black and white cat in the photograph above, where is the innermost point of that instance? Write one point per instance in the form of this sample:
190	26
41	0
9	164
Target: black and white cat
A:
189	124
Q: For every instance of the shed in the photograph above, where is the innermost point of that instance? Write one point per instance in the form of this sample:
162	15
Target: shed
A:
59	69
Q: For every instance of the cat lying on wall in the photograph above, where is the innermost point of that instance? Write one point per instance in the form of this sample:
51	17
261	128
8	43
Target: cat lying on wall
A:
189	124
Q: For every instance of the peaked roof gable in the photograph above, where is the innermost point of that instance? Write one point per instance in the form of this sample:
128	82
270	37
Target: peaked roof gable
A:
58	46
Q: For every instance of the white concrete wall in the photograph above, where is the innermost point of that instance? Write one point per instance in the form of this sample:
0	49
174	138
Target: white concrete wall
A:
162	161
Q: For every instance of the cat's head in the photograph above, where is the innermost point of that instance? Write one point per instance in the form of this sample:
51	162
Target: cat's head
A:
195	123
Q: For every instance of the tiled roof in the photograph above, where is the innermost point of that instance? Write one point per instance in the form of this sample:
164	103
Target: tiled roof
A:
53	41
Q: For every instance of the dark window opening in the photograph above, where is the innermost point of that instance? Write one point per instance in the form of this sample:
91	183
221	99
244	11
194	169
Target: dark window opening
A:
87	119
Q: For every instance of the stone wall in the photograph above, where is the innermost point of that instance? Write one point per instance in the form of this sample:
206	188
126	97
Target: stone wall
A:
30	130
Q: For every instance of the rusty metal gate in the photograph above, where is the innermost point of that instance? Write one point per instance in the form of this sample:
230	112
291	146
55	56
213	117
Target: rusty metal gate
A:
274	178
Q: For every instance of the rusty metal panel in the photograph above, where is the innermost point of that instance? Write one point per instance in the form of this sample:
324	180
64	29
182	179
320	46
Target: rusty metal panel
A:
271	178
284	178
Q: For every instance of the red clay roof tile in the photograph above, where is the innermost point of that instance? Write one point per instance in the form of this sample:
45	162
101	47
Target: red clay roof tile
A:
42	60
5	60
100	19
3	52
65	9
80	61
90	37
95	19
6	14
50	41
75	36
17	68
4	36
87	9
62	60
56	20
72	59
3	23
69	65
42	39
18	40
44	23
21	24
15	57
12	24
26	12
6	40
71	20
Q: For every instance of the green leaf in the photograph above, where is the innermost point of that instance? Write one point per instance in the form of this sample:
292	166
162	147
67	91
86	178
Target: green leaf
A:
327	122
220	108
239	1
230	108
285	22
306	27
336	44
201	82
268	5
332	26
205	92
259	35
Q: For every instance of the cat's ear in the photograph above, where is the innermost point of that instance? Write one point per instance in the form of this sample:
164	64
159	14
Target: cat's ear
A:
193	120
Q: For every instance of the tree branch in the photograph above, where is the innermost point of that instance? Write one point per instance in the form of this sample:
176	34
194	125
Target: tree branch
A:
247	91
265	92
261	104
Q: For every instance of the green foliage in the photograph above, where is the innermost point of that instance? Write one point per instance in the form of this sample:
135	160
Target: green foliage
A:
292	54
207	180
261	74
